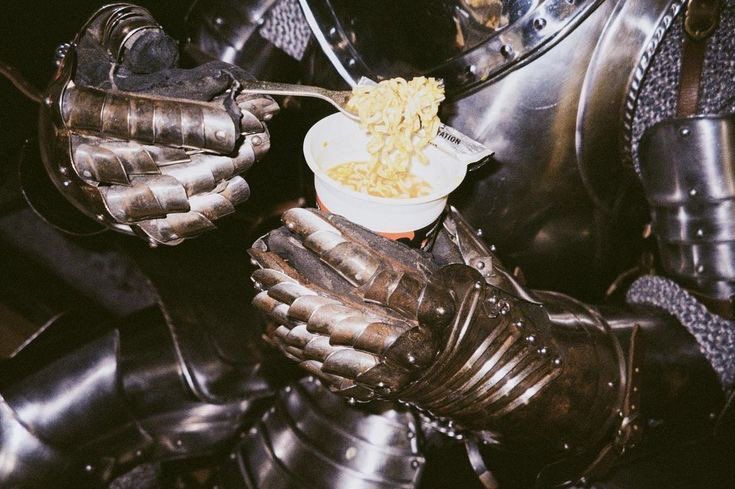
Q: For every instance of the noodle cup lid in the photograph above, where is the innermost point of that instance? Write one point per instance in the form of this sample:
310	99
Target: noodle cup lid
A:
337	139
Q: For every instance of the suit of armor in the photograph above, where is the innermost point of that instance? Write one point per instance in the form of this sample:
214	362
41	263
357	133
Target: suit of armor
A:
612	125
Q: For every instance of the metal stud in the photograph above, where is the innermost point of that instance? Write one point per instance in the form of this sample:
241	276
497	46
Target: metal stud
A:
506	50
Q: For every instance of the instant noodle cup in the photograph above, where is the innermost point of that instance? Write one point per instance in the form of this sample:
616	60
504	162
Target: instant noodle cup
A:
337	139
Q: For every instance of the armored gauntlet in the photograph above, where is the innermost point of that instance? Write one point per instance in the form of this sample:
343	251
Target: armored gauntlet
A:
140	145
451	333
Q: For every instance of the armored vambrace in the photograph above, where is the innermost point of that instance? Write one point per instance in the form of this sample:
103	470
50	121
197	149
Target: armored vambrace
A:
466	345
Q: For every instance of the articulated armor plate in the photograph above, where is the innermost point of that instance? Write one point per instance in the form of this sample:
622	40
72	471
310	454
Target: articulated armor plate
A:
546	379
688	169
312	438
141	146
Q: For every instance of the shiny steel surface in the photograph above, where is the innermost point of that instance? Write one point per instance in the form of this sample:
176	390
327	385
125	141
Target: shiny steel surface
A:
533	376
688	170
228	30
85	412
460	50
162	167
313	438
530	203
611	87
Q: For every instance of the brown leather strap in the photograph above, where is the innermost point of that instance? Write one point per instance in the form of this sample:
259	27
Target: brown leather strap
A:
691	75
700	21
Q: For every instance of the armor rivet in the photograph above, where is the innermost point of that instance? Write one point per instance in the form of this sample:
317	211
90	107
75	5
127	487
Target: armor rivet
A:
174	236
233	456
700	268
543	350
287	389
471	69
67	183
179	443
712	415
700	233
415	464
518	324
493	299
260	20
567	446
493	248
219	20
410	435
332	31
479	233
351	401
267	117
152	243
350	453
351	62
63	170
257	140
637	370
480	265
693	192
632	407
611	384
220	135
253	431
684	131
88	468
139	453
506	50
539	23
478	285
411	358
635	389
87	173
557	362
531	338
48	101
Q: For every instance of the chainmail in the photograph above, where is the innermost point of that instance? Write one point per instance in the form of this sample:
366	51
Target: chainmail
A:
715	335
658	95
285	26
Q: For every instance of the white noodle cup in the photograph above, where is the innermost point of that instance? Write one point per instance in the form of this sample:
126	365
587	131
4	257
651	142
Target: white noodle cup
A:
337	139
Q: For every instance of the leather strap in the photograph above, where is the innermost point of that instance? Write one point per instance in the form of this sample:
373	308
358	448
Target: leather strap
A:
700	21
